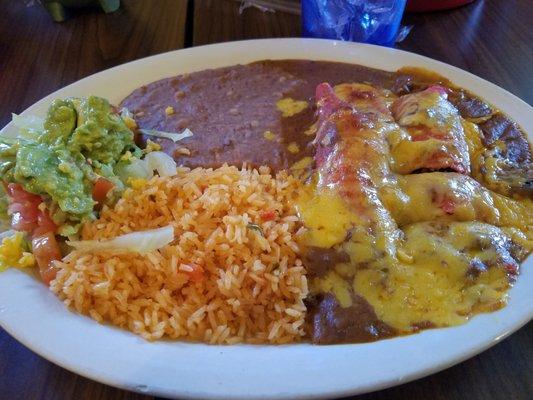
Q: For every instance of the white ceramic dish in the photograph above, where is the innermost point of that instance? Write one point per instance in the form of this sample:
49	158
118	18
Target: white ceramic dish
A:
35	317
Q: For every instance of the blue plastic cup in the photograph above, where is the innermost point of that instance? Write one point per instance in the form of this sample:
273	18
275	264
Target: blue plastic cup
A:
369	21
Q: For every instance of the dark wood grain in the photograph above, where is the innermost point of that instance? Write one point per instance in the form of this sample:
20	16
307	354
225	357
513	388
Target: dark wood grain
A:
38	56
491	38
502	373
220	21
26	376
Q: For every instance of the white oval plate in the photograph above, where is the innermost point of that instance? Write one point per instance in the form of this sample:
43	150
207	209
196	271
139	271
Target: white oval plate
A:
34	316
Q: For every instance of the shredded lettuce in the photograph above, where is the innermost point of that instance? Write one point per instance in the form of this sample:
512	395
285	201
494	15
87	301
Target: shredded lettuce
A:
4	203
29	126
125	113
161	162
136	168
175	137
138	242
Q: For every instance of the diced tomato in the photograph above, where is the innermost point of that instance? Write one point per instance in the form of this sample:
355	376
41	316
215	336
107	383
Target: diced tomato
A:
28	209
46	224
442	200
19	195
25	213
48	274
511	268
26	216
447	205
424	133
196	274
268	215
101	188
46	250
15	208
19	223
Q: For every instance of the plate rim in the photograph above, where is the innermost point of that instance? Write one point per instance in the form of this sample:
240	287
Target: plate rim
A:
526	316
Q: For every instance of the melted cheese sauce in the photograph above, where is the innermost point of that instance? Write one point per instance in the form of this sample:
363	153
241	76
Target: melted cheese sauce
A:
289	107
326	217
436	135
435	288
431	281
425	250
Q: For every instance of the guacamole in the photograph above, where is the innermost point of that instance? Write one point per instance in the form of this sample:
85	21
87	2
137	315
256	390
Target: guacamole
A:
81	141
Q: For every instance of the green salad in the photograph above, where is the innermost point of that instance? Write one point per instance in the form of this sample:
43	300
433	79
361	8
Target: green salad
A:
59	172
81	142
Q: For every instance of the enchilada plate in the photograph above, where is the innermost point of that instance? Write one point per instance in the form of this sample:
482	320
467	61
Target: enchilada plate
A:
35	317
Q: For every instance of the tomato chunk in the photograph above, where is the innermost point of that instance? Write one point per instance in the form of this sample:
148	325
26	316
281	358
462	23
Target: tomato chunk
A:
447	205
23	208
46	250
45	224
18	194
268	215
25	213
101	188
195	272
28	217
20	223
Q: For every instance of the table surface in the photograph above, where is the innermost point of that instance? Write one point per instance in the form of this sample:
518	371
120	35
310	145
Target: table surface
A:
490	38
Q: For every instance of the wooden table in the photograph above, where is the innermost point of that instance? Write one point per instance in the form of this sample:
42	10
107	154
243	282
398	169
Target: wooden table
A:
491	38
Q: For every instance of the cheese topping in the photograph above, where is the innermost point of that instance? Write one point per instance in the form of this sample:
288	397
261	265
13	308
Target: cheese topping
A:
427	249
289	107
